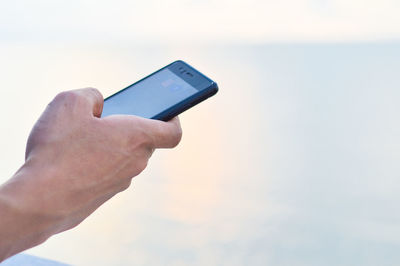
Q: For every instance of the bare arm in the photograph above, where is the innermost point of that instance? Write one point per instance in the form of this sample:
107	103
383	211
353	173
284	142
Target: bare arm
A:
75	161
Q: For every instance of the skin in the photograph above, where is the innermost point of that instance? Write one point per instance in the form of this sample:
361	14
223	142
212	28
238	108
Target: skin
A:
75	161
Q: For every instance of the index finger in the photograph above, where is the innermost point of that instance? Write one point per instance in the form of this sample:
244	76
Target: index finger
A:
163	134
158	134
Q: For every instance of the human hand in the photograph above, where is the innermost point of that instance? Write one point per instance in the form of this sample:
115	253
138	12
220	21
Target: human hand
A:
75	160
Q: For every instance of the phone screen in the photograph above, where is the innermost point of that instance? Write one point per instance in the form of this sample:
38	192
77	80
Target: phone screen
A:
150	96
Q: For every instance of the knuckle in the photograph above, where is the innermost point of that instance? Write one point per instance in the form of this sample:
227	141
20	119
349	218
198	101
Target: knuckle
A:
126	184
136	142
95	92
141	165
66	96
141	150
71	99
176	138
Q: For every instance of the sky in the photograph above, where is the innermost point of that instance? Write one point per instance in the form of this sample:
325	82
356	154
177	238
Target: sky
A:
208	21
293	162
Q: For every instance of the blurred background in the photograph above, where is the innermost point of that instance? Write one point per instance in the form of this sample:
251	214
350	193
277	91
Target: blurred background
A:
296	161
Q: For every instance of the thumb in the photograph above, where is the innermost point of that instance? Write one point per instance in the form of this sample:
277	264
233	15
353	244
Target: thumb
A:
94	99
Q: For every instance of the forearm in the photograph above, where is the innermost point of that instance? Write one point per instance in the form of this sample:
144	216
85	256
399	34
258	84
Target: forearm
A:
22	224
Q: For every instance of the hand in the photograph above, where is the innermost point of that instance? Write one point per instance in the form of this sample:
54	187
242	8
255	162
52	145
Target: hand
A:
75	160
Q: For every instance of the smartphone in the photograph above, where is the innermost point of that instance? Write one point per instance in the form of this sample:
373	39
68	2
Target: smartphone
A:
162	95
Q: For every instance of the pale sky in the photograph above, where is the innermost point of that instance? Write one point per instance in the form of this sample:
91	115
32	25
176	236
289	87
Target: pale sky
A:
293	162
209	21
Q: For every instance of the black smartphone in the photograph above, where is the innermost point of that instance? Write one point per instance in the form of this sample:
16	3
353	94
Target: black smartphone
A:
162	95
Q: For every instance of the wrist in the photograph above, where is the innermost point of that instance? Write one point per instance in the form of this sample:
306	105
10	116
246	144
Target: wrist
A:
24	223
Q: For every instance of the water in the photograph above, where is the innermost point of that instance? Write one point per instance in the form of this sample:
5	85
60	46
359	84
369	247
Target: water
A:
295	161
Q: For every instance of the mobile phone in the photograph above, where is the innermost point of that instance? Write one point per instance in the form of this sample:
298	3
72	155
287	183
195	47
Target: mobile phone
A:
162	95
